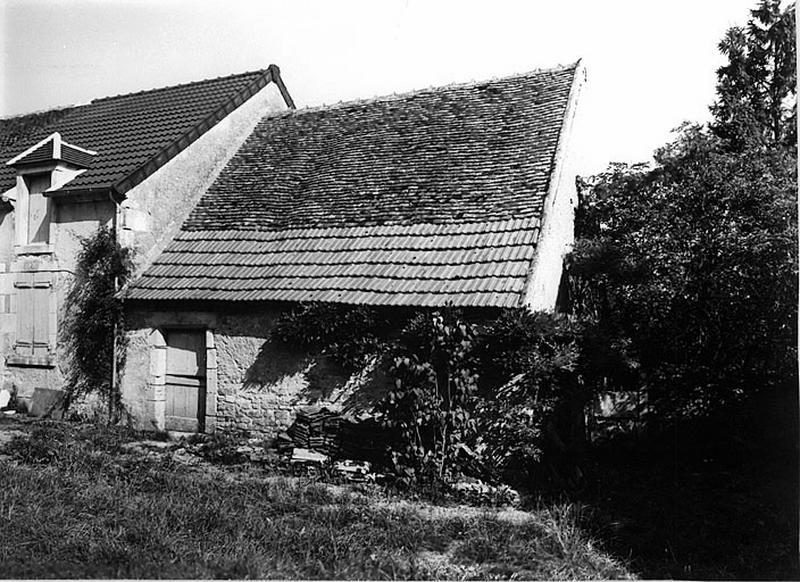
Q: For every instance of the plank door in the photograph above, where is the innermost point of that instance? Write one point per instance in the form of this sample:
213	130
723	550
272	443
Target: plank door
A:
186	380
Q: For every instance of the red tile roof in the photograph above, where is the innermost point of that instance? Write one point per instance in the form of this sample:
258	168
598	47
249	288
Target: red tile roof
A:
133	134
419	199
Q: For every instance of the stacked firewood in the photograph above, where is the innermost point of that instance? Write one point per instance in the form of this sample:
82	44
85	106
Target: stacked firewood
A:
344	437
316	429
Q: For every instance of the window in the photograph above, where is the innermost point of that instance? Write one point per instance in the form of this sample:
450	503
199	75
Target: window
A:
38	209
33	315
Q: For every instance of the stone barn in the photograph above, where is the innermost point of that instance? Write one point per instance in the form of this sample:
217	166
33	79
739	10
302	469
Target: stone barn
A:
462	194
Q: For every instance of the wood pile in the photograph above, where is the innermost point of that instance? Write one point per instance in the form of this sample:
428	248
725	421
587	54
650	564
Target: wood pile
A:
338	436
316	429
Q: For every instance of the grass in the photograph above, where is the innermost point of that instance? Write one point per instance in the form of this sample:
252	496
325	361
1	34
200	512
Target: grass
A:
73	503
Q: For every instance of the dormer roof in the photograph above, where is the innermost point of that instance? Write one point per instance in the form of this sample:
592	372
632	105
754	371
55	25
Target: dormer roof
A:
53	149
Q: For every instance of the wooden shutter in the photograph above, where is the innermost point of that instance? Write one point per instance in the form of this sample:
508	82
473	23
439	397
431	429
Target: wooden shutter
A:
33	314
24	285
41	314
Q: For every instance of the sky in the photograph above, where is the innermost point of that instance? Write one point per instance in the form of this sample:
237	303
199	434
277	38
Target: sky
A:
650	63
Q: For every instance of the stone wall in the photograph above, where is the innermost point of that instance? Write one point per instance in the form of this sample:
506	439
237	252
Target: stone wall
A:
253	384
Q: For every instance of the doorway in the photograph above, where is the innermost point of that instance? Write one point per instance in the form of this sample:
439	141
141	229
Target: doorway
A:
185	382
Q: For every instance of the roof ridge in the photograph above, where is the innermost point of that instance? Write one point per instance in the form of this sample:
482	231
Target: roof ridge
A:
179	85
423	90
39	112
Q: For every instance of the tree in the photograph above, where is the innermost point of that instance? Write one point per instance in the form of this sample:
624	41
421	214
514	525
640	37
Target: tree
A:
694	261
757	88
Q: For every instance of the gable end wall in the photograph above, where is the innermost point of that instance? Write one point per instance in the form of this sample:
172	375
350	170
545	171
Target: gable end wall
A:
557	233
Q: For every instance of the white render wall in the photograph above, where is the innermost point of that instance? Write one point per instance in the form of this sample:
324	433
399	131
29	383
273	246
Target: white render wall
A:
557	233
555	241
155	209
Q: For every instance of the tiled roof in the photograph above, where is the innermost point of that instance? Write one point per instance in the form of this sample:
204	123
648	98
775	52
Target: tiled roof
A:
418	199
468	264
132	134
461	153
76	156
42	153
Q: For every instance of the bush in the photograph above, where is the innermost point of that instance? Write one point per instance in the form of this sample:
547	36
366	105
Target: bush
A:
486	401
430	408
538	372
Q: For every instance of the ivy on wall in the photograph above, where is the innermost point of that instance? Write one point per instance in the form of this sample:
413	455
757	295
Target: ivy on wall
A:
92	331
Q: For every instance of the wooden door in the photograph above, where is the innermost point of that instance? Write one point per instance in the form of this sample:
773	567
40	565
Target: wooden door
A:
186	380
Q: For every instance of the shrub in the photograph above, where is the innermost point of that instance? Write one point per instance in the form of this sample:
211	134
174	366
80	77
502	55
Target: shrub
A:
539	370
430	408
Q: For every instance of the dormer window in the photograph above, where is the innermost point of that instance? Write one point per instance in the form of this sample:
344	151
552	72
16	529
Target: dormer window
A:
38	226
42	169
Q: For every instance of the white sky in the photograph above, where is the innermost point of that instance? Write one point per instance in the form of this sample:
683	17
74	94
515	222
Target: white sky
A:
651	63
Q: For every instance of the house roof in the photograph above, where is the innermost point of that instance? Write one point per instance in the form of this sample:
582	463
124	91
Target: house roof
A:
133	134
419	199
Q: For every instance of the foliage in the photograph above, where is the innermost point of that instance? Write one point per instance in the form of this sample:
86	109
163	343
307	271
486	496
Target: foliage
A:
757	88
429	409
696	263
93	328
531	369
92	512
693	262
543	368
349	334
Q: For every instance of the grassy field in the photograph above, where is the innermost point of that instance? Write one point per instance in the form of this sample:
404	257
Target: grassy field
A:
74	503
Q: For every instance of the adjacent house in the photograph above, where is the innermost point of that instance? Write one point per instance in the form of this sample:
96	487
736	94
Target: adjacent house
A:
136	162
462	194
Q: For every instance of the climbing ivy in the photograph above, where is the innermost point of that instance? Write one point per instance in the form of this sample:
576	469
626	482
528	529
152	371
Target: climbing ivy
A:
92	331
350	335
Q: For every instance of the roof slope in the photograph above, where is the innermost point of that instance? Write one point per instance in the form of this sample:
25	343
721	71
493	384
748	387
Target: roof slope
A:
460	153
132	134
416	199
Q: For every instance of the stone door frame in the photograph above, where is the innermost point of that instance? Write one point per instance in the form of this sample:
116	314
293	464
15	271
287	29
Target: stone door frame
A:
156	386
